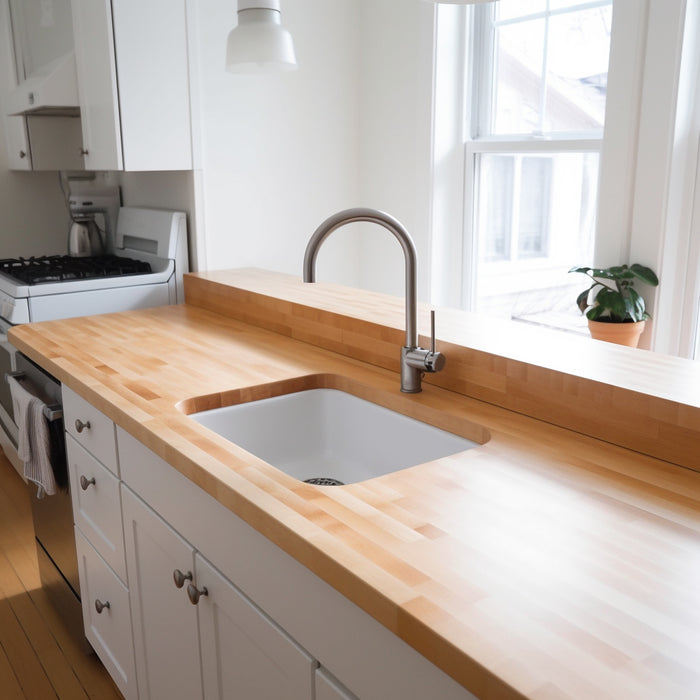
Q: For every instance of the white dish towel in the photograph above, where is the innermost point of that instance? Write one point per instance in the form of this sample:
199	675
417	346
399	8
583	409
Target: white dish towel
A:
34	447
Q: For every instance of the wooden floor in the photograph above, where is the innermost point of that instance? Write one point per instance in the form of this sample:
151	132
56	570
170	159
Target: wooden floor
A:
39	659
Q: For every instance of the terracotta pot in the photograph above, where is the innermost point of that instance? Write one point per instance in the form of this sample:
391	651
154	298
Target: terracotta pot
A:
620	333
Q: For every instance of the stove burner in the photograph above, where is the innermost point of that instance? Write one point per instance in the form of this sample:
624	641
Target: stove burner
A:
63	268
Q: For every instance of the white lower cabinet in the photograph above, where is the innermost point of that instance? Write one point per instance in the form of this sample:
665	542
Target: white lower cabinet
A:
328	688
166	641
244	653
106	617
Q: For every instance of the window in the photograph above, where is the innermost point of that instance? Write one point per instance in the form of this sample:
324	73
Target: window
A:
535	125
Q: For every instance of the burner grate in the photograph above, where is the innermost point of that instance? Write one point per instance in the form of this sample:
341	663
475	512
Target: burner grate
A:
63	268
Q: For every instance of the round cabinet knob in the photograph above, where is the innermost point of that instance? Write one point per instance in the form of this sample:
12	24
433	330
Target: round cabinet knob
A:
100	606
194	593
84	151
180	578
85	483
22	154
80	426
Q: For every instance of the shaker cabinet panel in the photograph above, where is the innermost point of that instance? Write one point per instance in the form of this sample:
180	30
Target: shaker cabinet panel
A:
166	640
18	154
328	688
106	616
97	505
244	653
90	428
97	84
133	82
154	91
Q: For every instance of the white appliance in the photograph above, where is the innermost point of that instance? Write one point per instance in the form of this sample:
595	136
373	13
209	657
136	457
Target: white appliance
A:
150	258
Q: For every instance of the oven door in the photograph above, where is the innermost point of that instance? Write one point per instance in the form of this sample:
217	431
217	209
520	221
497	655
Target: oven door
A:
8	428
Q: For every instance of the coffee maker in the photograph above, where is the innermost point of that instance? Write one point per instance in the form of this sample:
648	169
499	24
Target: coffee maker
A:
93	221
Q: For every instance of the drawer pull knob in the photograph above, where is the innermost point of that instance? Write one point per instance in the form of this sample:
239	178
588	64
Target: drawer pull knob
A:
80	426
194	593
85	483
180	578
100	606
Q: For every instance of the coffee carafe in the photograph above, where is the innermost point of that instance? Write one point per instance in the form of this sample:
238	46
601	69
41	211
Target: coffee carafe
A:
84	239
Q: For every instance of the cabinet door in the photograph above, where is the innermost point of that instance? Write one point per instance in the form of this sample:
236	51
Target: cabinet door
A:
328	688
166	640
106	616
244	653
97	84
154	88
18	156
97	505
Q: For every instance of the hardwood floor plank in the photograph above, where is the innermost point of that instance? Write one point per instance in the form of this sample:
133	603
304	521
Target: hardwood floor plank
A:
21	656
39	656
11	689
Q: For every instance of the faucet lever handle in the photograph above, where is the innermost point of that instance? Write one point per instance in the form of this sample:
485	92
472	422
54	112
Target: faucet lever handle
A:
432	331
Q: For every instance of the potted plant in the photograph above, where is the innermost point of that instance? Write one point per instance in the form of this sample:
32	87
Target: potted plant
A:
616	312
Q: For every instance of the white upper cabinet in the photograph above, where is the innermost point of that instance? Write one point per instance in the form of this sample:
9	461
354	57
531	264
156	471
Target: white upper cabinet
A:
133	83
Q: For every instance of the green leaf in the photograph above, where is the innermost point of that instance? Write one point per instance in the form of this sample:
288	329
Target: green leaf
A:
638	308
645	274
582	300
613	301
580	269
595	312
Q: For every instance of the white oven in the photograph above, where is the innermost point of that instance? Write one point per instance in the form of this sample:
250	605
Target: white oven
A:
146	269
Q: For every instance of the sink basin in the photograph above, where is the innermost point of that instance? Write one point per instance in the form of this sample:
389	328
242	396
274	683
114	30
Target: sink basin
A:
320	434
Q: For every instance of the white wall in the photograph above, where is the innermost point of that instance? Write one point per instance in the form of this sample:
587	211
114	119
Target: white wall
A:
34	218
351	127
395	135
278	152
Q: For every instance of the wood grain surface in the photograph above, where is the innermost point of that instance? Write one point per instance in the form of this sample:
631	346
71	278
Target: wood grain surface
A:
542	564
645	401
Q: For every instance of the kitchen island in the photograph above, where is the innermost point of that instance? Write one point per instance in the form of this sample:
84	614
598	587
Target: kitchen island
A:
561	558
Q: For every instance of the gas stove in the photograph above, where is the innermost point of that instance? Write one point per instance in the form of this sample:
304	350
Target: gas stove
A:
144	268
59	268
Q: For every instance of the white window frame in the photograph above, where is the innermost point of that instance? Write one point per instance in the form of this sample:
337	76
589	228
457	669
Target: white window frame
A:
476	144
649	184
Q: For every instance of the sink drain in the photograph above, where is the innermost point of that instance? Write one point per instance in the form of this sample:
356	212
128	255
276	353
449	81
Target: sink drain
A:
323	481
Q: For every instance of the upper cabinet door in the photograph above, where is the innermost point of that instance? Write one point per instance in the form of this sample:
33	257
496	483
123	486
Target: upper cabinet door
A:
97	84
154	86
134	86
18	155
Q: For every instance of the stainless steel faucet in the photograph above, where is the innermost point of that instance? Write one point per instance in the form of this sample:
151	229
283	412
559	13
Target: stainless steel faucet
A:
414	360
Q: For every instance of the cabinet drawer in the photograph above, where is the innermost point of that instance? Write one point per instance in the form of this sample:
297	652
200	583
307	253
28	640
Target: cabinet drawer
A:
91	428
97	505
108	631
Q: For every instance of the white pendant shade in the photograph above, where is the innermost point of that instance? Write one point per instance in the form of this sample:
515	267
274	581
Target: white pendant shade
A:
259	43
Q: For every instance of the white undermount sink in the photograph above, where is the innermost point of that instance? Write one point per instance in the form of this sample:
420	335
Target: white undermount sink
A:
330	434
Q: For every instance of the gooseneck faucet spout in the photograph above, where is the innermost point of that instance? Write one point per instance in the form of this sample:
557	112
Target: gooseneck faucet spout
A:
414	360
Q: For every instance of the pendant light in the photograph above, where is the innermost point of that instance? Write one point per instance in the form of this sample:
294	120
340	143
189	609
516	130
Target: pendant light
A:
259	43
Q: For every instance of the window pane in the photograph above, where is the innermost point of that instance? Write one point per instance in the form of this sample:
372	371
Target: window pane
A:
533	224
518	80
549	70
510	9
495	207
535	219
577	70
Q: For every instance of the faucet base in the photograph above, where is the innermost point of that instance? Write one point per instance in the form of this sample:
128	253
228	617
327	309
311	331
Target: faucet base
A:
410	373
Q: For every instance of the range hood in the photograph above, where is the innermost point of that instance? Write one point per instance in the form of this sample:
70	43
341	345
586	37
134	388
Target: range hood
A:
51	91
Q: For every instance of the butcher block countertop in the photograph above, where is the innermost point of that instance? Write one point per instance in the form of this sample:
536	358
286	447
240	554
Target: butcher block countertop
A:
552	561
